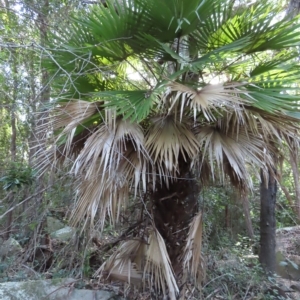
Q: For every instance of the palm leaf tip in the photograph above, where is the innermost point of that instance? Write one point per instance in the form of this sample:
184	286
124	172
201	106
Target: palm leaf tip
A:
158	266
166	140
125	264
116	151
207	98
192	257
72	113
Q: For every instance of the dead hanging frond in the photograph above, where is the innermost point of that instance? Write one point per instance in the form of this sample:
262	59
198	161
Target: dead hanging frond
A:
112	162
166	140
273	131
98	198
192	256
109	143
207	99
65	120
276	127
126	263
158	267
73	113
133	256
223	147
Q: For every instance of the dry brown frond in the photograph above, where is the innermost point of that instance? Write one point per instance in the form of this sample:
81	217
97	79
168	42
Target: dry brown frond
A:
109	142
166	140
272	131
112	161
206	99
223	146
276	127
192	258
158	265
65	118
70	114
125	264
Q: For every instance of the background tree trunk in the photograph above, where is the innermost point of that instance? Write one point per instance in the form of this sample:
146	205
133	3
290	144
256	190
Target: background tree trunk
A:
13	108
267	255
294	165
293	8
246	210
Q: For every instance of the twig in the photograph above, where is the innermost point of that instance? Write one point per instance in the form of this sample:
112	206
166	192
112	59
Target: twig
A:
28	198
214	279
213	293
61	287
168	197
35	273
121	237
7	196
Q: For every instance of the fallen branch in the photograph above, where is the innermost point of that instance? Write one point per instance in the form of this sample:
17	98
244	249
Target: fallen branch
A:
108	246
27	199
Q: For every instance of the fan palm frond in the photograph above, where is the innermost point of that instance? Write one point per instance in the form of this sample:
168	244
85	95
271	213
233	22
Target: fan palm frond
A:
158	265
112	161
269	127
192	256
73	117
236	147
125	264
132	105
256	21
207	99
167	139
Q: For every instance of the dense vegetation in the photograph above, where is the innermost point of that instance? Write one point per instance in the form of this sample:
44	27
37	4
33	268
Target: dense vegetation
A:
159	131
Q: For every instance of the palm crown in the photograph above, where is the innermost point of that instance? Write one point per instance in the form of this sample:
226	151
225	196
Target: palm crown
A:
150	89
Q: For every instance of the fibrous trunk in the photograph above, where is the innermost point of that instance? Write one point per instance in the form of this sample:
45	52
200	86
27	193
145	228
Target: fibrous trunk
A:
174	208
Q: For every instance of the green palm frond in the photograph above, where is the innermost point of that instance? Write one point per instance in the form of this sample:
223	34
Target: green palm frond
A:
133	105
274	64
255	21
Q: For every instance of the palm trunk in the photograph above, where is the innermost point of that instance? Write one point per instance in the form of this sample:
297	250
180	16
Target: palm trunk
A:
174	207
267	256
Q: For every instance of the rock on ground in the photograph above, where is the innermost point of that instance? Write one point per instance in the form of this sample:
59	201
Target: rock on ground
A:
65	234
11	247
54	224
59	289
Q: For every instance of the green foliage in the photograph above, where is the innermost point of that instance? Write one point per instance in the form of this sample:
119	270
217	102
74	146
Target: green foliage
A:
90	59
17	175
232	276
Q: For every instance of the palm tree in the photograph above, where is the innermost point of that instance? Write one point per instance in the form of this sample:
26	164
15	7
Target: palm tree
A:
155	98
